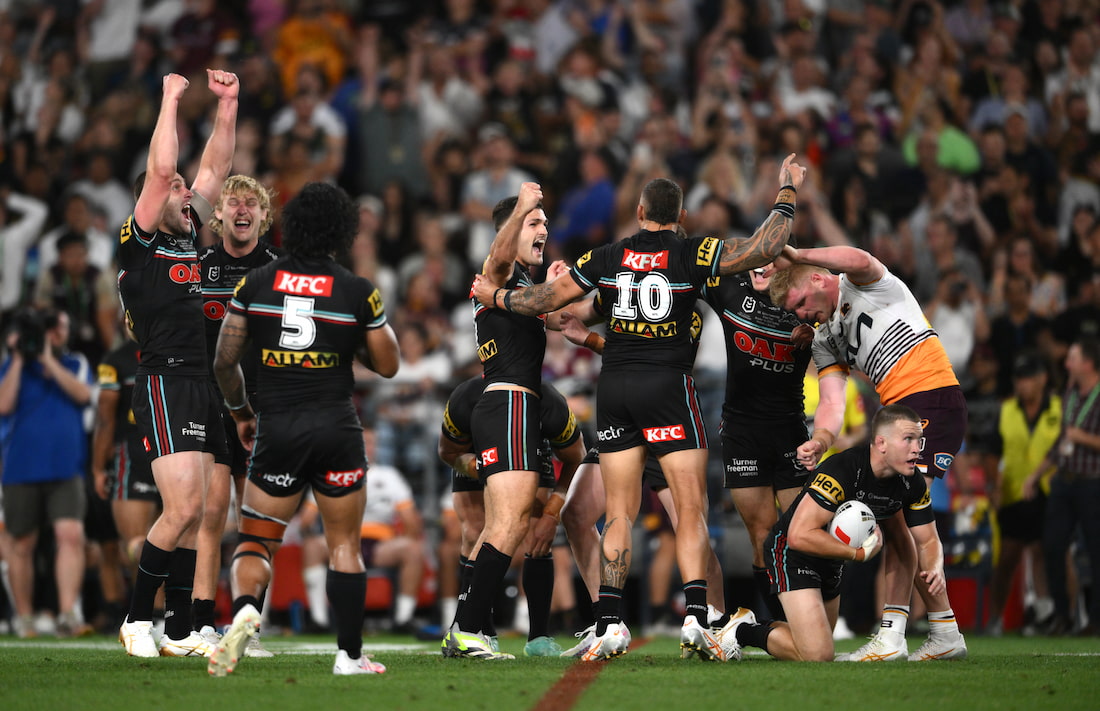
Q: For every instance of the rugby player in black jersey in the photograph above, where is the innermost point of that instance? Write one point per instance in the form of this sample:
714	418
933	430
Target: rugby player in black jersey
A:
175	405
242	214
805	562
647	403
562	438
506	428
763	423
308	318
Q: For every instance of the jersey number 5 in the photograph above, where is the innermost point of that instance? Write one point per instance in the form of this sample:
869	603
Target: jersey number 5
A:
299	329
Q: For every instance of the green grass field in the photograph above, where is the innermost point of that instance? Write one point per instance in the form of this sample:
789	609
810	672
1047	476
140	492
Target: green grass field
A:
94	673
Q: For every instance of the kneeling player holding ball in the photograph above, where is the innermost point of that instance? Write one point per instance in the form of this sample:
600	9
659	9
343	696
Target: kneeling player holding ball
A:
805	562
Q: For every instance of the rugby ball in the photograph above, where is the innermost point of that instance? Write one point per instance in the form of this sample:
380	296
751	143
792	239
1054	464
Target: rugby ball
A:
852	523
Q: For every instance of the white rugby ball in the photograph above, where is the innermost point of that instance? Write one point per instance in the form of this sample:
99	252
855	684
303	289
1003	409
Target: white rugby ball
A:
852	523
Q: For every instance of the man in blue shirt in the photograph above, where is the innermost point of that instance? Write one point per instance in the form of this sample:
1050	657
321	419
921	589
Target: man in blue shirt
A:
43	448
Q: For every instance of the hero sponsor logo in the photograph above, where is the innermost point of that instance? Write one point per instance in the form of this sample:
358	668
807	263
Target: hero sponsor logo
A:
305	284
828	488
664	434
284	479
609	434
645	261
347	478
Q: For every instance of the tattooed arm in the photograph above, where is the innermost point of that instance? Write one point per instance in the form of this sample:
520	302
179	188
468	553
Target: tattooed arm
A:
232	342
528	301
767	242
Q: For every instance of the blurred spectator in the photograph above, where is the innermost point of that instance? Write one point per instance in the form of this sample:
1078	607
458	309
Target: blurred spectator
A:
18	232
106	35
409	402
84	291
954	149
43	393
511	102
78	219
1029	425
309	118
1081	73
1019	327
495	178
436	260
929	79
316	32
203	36
969	23
1080	190
1048	292
1014	98
104	192
985	72
1074	495
449	103
364	251
586	214
388	125
1079	260
957	314
1033	162
392	533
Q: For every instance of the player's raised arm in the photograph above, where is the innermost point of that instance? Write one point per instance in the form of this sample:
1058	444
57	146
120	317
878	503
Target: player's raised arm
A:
860	266
528	301
741	254
502	253
217	156
164	149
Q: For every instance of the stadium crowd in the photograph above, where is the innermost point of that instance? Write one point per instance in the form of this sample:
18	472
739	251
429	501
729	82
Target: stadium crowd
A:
957	142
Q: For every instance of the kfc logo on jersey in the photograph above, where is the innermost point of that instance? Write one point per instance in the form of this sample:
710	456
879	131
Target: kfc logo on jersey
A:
344	479
645	261
489	456
303	284
664	434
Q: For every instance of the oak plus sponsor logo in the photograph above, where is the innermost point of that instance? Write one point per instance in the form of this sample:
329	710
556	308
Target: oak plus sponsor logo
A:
610	433
303	284
347	478
185	273
664	434
283	480
645	261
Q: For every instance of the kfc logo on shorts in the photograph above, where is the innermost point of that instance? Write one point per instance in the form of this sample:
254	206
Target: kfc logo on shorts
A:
343	478
145	443
304	284
664	434
489	456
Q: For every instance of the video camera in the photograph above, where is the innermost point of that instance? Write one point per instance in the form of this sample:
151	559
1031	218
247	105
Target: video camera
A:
31	325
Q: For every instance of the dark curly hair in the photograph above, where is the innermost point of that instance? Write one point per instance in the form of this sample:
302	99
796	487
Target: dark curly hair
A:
320	221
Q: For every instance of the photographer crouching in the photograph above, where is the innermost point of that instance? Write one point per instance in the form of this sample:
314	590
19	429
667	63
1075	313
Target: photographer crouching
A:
43	392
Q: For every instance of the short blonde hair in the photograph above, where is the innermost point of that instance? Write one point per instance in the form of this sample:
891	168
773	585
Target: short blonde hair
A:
239	185
783	281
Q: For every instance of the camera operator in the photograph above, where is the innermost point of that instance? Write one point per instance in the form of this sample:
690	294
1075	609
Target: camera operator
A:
43	392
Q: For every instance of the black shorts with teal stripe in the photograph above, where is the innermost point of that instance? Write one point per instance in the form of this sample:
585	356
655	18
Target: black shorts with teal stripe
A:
178	414
655	410
789	569
133	473
507	432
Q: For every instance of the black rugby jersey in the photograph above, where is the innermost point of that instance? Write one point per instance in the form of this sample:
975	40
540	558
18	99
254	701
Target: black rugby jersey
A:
306	318
221	272
116	373
649	284
847	476
159	284
764	370
558	423
511	346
